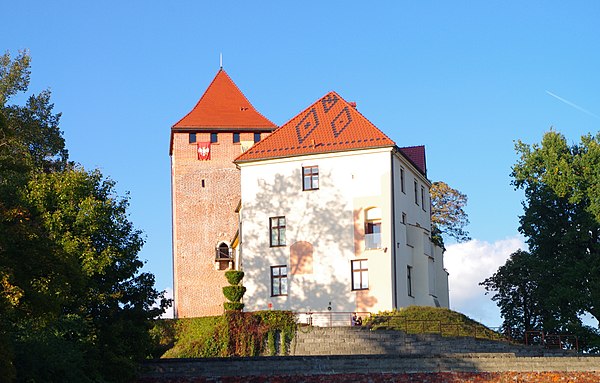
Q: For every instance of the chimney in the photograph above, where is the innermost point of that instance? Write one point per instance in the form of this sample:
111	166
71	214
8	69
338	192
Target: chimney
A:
352	104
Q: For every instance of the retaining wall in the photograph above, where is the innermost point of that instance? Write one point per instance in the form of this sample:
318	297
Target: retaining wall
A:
360	355
361	341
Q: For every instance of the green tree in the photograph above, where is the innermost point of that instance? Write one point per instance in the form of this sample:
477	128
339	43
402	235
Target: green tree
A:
562	230
448	216
74	303
516	293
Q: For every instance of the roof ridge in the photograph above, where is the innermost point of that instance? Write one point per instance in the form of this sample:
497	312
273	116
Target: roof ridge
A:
203	95
336	126
258	144
363	116
243	95
222	75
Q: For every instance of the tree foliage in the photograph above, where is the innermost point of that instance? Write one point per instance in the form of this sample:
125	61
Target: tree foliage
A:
562	229
74	304
448	216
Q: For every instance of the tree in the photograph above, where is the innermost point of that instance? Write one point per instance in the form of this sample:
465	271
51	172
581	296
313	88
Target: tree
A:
562	229
447	213
92	273
74	304
516	293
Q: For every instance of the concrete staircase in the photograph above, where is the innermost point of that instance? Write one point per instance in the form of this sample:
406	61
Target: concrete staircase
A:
362	341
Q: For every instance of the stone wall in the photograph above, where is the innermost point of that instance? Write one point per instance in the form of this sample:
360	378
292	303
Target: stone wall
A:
361	341
359	355
376	368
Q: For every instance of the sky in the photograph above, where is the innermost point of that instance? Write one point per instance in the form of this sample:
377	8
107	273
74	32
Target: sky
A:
464	78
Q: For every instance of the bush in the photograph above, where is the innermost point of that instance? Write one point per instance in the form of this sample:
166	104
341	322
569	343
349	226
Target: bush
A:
233	306
234	293
234	277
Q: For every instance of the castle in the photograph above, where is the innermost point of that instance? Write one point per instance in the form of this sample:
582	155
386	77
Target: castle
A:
325	212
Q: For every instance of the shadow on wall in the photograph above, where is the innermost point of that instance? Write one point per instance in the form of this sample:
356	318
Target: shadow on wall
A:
319	238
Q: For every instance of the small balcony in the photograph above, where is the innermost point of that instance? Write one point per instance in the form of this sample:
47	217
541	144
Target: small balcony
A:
224	258
373	241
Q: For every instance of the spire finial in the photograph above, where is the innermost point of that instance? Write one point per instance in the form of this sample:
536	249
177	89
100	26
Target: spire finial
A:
221	60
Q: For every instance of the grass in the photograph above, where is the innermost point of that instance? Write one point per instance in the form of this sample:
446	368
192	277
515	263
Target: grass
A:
422	319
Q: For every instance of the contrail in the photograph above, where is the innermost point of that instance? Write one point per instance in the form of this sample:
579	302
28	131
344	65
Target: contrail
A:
573	105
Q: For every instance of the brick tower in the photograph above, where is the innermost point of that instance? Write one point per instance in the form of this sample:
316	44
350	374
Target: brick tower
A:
205	187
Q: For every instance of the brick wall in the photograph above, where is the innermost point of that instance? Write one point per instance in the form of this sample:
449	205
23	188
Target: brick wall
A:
205	195
376	368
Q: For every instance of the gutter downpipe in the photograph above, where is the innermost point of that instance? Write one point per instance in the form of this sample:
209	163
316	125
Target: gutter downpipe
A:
394	277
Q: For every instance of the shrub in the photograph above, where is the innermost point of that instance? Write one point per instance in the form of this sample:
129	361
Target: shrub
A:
234	277
234	293
233	306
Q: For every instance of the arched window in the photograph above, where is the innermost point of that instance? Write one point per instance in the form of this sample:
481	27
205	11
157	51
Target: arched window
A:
373	228
223	251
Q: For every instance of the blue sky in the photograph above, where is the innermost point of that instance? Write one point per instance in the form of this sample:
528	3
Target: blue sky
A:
463	78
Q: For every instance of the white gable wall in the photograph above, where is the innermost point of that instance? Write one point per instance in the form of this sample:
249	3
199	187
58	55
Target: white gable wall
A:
331	219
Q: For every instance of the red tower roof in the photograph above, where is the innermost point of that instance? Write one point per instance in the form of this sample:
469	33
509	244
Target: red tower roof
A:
223	106
331	124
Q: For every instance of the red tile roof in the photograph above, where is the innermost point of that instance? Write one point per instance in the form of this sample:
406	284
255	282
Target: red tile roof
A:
223	106
331	124
416	155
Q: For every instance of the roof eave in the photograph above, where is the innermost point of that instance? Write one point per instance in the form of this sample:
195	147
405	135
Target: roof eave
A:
237	161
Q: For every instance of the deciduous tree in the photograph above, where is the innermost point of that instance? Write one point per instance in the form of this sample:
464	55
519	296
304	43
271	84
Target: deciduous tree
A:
74	303
562	229
448	216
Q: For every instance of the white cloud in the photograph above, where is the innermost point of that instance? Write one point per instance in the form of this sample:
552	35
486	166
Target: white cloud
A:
470	263
169	295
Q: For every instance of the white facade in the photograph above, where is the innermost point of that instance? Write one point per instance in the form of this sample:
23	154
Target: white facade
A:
306	261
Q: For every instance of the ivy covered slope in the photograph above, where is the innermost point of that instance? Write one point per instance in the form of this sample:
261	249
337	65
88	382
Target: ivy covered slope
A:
231	334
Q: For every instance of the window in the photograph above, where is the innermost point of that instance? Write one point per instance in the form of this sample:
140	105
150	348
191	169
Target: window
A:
310	178
404	218
373	235
402	180
192	138
360	275
256	137
278	281
416	193
431	271
214	137
373	228
223	251
236	138
423	198
277	229
409	280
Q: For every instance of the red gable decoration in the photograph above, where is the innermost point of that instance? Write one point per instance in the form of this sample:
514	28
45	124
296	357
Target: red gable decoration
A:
204	151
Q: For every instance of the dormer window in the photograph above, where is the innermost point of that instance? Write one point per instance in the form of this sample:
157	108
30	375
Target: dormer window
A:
214	138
